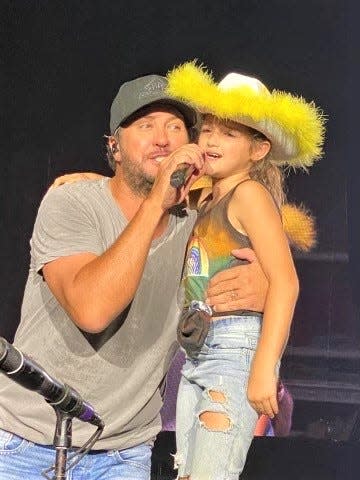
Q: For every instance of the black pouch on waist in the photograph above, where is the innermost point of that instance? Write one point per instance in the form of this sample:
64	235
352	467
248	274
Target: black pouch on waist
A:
192	330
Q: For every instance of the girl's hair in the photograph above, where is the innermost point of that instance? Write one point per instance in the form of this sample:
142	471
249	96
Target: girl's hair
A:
266	172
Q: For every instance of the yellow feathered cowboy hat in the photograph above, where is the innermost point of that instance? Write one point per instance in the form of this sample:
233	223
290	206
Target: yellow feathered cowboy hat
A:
294	127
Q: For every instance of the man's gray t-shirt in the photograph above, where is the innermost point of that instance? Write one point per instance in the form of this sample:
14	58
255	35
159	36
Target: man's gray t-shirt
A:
118	371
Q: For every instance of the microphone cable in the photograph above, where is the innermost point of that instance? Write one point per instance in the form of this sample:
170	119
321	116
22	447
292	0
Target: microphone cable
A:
75	458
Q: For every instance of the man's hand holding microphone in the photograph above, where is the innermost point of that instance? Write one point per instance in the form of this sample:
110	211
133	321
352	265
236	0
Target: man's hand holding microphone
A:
177	173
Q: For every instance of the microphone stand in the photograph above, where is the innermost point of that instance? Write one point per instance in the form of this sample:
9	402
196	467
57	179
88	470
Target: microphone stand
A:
30	375
62	442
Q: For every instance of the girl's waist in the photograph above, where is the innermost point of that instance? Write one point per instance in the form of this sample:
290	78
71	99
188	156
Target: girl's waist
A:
236	313
200	305
242	317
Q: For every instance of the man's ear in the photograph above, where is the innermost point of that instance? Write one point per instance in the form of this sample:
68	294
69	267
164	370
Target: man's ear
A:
259	150
113	145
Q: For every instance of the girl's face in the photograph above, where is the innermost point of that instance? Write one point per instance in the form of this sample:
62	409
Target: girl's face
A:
227	145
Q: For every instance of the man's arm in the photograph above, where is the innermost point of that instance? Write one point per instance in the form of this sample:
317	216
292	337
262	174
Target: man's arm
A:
94	289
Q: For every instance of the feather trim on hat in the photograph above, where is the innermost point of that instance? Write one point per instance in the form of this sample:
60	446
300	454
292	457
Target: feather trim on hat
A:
299	226
294	126
203	182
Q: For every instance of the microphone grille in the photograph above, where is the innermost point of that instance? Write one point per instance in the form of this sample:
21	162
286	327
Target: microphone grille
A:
10	357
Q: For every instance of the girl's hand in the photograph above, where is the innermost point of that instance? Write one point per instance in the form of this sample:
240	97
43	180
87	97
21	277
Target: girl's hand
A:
262	391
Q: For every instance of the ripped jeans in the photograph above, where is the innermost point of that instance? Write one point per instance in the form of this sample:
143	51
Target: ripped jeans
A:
213	388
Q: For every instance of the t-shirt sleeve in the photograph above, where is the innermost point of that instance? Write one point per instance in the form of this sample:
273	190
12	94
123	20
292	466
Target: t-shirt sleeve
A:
64	226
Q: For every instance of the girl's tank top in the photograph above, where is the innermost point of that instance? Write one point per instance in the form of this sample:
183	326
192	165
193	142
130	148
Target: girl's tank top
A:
209	248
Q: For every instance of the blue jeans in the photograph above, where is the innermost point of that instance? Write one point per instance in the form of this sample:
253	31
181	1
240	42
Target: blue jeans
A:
24	460
216	381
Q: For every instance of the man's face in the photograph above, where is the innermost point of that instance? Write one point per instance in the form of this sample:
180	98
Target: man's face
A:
146	141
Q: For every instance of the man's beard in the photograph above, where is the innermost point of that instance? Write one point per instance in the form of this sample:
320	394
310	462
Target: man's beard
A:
139	182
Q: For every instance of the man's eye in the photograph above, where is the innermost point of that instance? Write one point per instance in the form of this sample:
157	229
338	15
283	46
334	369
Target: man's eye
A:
205	130
174	126
145	125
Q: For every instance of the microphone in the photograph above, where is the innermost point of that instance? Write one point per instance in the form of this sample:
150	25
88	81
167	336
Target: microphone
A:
179	177
29	374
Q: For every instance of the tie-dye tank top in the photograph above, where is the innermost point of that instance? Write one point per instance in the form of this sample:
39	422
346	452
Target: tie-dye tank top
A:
209	248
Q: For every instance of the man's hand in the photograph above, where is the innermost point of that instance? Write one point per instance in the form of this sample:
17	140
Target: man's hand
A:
74	177
243	287
162	192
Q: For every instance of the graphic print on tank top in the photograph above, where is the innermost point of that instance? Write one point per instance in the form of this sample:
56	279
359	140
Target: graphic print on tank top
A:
209	249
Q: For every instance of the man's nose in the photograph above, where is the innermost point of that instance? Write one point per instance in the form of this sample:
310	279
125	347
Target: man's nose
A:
161	138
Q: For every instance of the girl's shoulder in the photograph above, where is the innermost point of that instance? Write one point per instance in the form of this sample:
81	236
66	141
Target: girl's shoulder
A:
252	198
250	190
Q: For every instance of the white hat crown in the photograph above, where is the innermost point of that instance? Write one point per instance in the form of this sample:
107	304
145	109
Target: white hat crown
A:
236	80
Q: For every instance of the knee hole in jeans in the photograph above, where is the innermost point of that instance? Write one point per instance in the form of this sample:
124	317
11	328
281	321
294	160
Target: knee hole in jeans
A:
216	396
215	421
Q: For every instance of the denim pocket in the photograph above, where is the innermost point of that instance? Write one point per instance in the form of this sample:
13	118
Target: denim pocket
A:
11	443
139	457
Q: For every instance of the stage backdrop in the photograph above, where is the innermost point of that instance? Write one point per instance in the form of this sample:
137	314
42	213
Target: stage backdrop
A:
64	62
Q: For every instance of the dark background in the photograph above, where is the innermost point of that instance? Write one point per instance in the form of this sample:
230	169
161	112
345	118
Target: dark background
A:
63	64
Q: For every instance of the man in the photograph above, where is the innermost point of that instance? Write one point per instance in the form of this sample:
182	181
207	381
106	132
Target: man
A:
100	305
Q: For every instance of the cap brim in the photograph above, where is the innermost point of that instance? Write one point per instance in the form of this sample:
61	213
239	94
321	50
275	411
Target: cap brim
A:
189	114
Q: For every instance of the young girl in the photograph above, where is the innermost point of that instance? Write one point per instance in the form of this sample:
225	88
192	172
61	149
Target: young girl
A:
231	373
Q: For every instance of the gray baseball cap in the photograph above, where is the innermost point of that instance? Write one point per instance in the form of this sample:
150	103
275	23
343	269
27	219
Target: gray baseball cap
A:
141	92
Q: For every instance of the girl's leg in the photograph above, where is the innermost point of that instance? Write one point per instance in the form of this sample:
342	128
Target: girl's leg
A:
224	430
189	395
225	421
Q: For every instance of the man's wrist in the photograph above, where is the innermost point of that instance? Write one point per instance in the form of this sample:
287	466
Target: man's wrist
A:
153	207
